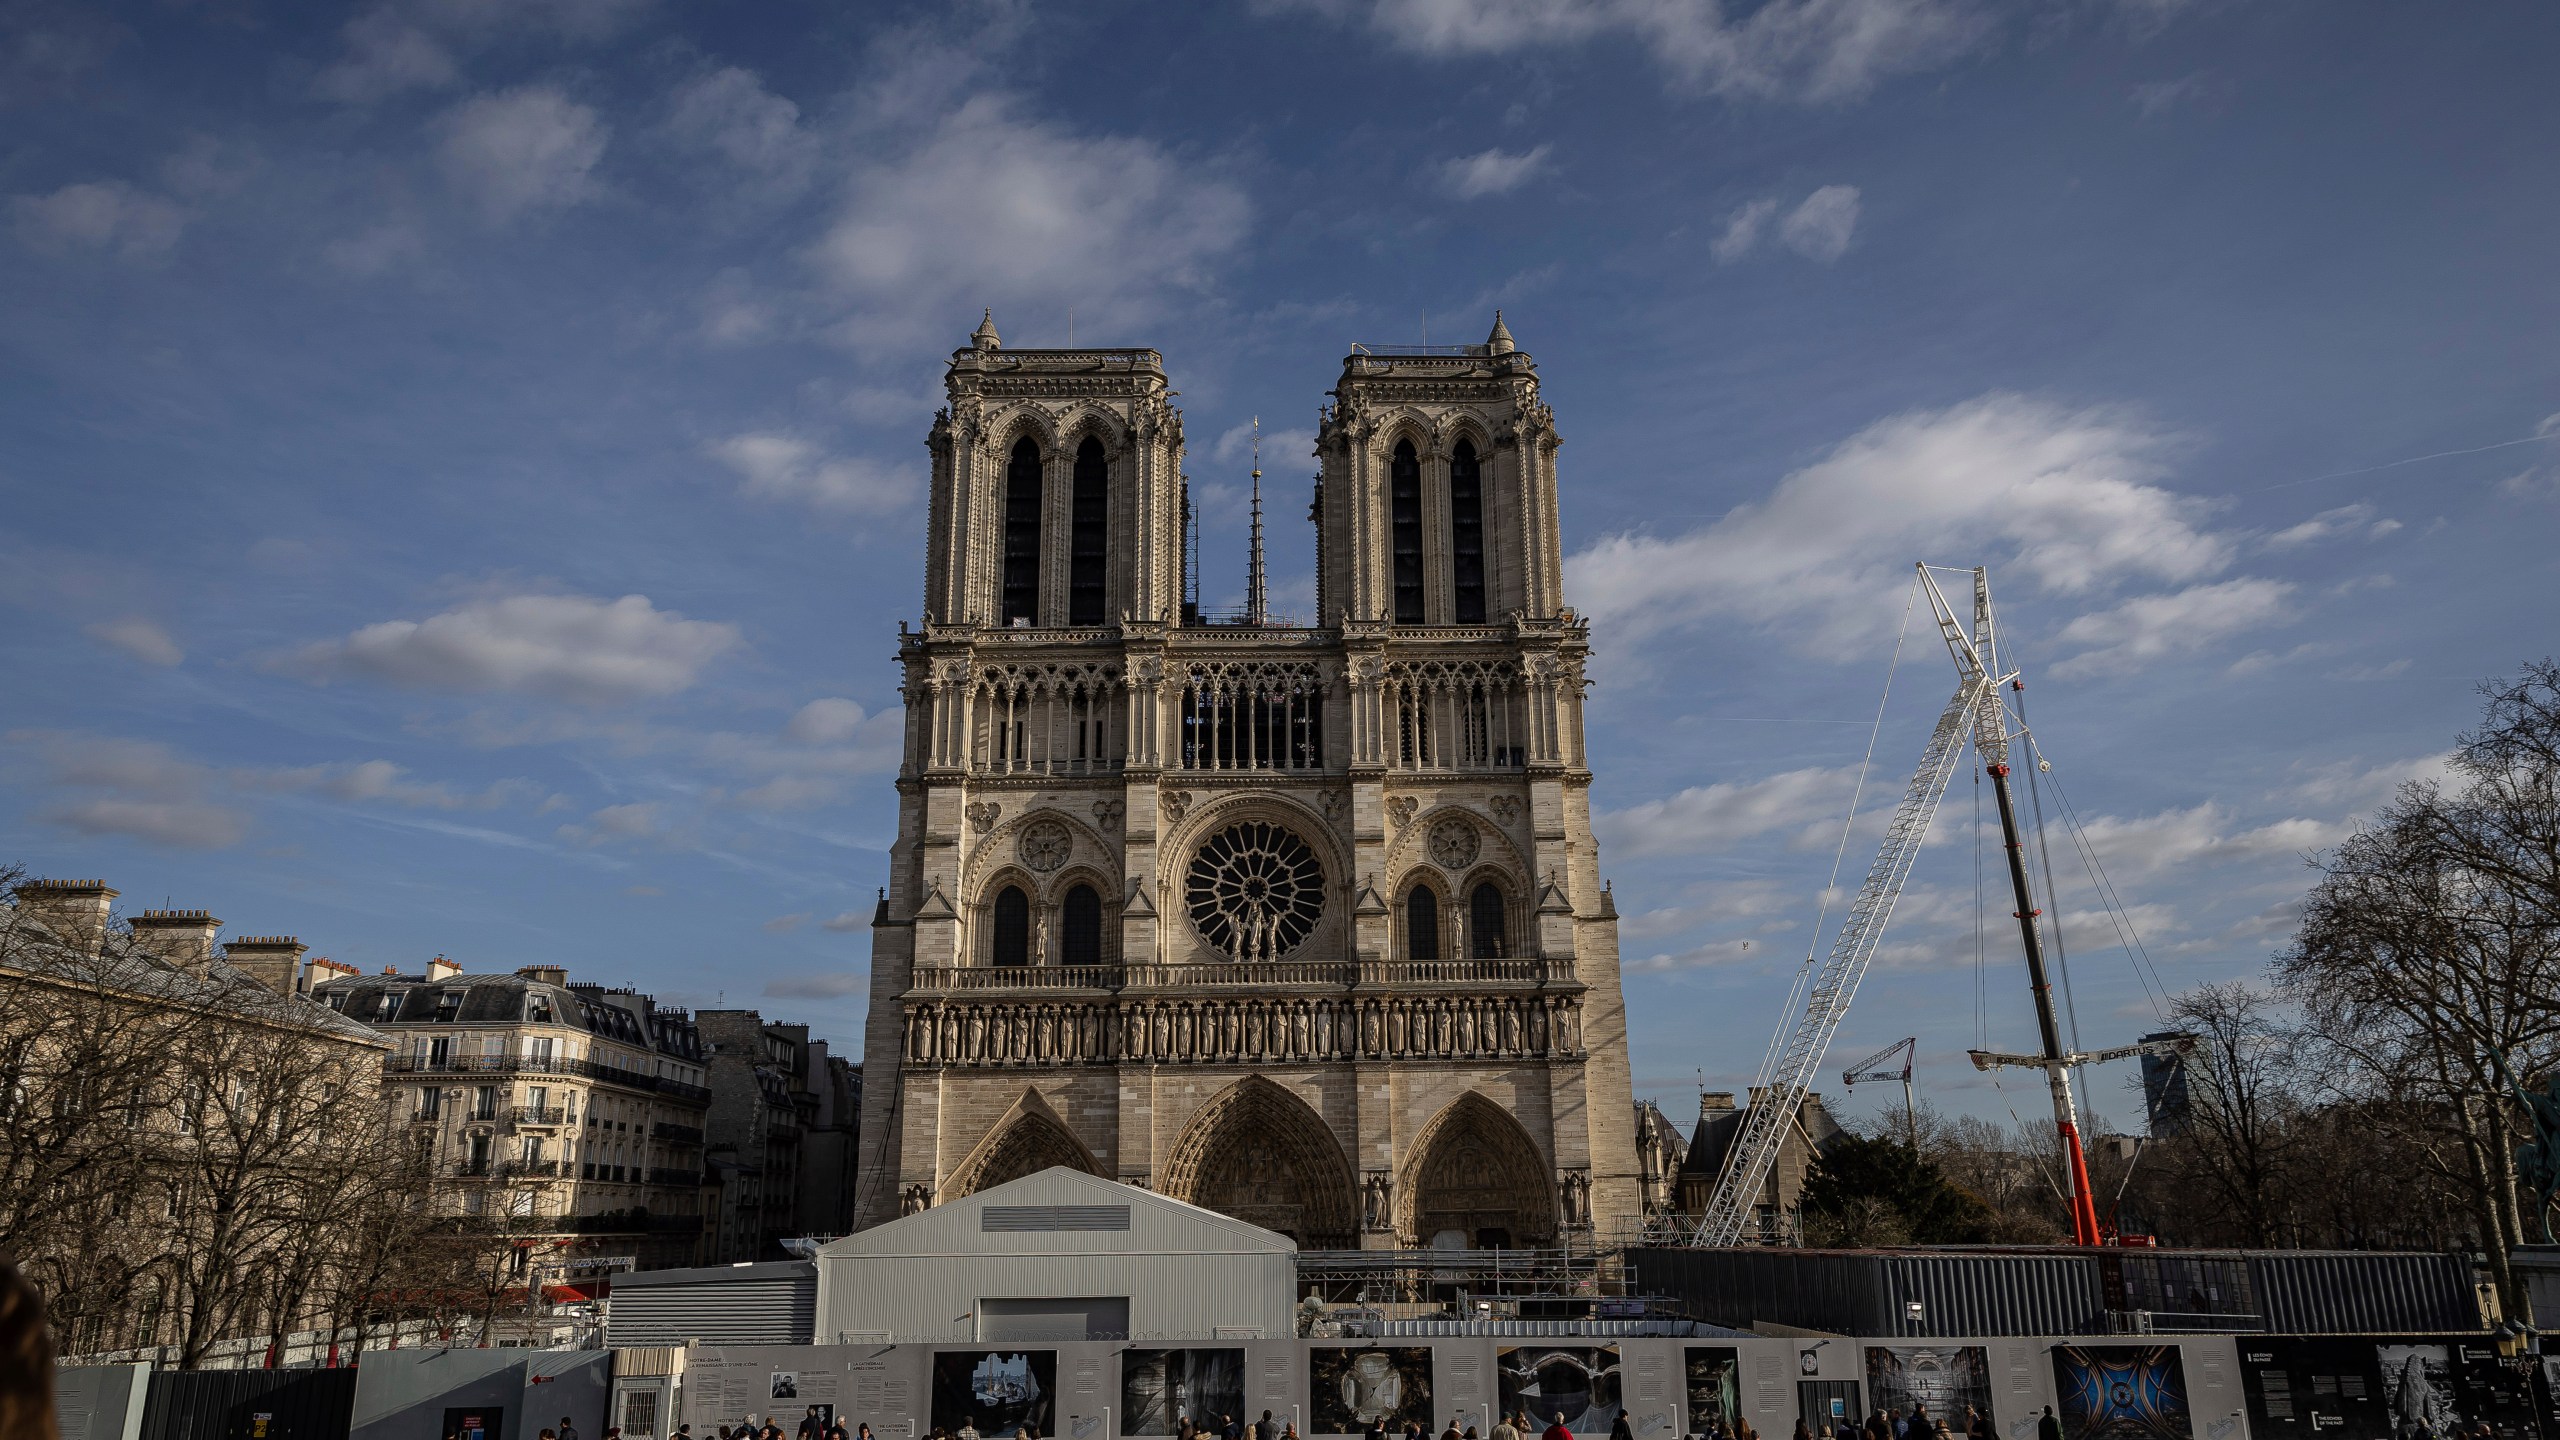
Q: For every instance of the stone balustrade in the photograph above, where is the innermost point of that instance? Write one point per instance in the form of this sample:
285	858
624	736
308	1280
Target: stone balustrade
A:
975	1033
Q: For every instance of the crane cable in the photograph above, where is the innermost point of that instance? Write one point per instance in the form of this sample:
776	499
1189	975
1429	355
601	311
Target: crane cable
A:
2145	969
1822	915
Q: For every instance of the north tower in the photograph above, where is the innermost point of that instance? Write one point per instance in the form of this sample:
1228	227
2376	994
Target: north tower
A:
1300	923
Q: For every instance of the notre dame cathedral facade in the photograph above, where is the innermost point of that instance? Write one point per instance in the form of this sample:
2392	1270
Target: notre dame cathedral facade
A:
1300	923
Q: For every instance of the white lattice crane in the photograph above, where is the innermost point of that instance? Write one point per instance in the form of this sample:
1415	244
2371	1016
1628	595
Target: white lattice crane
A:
1908	1047
1789	1077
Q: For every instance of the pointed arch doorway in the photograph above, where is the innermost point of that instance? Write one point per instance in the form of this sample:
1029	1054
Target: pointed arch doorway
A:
1476	1182
1258	1153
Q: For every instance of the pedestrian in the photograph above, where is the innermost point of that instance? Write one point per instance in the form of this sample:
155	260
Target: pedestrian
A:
1742	1428
1503	1429
1184	1430
1289	1431
567	1430
1451	1433
862	1431
1920	1426
1555	1430
969	1427
1619	1429
1263	1429
1230	1428
1802	1431
2048	1428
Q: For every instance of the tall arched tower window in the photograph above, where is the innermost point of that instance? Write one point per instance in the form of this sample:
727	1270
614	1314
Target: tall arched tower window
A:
1466	535
1404	501
1022	534
1484	916
1089	536
1012	940
1422	924
1080	927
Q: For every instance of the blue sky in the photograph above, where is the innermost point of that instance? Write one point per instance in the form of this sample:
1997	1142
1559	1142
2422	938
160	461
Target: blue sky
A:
463	461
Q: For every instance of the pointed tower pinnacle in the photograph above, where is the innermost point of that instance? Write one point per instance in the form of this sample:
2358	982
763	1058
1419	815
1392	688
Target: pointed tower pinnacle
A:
1500	341
1255	598
985	337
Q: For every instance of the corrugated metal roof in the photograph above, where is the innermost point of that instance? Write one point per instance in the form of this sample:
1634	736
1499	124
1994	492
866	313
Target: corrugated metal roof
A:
1001	1218
773	1304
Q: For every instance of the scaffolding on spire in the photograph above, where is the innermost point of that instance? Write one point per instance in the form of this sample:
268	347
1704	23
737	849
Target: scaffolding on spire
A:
1256	598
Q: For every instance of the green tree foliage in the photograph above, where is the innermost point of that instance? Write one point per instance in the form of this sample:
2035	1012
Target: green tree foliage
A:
1867	1191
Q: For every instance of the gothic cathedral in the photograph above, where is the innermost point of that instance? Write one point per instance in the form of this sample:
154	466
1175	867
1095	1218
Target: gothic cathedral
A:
1302	924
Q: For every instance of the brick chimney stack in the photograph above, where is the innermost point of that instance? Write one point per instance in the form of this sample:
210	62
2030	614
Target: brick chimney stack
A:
76	910
442	969
183	938
274	961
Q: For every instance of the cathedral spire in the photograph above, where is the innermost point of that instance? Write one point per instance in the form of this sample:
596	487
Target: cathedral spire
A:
1255	595
1500	341
985	337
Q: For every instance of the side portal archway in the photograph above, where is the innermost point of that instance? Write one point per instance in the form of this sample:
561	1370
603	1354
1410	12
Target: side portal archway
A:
1029	1139
1258	1153
1476	1182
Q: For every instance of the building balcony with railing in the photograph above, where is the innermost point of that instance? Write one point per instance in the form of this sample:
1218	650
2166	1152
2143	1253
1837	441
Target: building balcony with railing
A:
538	1115
675	1134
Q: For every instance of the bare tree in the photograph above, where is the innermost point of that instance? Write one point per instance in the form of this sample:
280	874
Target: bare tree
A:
2232	1151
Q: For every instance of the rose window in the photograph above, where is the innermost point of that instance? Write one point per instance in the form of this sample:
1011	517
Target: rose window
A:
1255	890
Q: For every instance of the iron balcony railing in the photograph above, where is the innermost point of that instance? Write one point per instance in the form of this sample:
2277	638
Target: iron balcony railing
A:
541	1065
676	1134
1246	974
530	1169
537	1115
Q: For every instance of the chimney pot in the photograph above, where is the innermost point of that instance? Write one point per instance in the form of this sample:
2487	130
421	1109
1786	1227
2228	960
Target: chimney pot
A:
274	961
442	969
76	910
180	937
544	974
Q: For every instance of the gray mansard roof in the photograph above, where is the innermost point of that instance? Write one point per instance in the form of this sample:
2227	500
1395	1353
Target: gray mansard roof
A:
511	1000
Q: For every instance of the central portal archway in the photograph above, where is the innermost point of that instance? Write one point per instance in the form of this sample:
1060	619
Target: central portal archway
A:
1476	1182
1258	1153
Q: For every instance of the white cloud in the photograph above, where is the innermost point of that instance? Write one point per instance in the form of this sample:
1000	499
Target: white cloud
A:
1492	172
2155	98
1284	452
381	780
1793	49
524	150
1742	231
991	209
785	924
730	114
1819	229
639	821
2130	848
831	721
785	467
99	215
139	638
845	921
132	788
2149	627
2063	499
377	249
2354	787
1707	818
2330	525
567	647
385	55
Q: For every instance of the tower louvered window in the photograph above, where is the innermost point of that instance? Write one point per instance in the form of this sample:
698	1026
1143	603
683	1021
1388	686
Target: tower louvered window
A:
1012	939
1422	924
1466	535
1089	536
1080	927
1485	918
1022	534
1404	497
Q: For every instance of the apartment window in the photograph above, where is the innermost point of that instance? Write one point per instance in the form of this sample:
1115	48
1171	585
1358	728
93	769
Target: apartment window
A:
440	1051
485	1103
537	1097
430	1103
539	1051
448	1004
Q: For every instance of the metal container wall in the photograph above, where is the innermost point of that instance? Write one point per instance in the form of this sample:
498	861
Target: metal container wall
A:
249	1405
2324	1292
775	1303
1987	1295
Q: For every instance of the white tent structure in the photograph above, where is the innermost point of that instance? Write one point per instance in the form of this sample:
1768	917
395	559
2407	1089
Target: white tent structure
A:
1060	1255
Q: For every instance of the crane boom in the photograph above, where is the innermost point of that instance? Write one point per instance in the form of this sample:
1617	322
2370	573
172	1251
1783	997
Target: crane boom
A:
1773	1111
